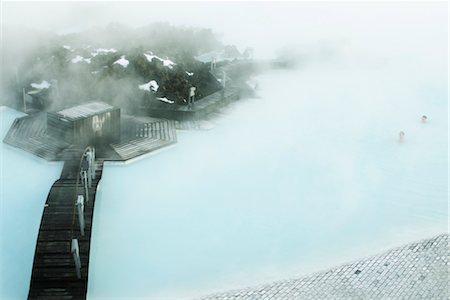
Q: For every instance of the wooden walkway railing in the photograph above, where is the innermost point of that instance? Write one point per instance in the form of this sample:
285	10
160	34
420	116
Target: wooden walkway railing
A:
54	274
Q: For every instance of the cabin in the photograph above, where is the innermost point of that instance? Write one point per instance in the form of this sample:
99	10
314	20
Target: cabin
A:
92	123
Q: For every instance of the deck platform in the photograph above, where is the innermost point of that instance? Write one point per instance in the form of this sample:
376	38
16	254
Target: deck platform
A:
235	89
29	133
139	136
200	109
143	135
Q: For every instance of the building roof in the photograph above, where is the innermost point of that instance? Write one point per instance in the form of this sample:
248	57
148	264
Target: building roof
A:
85	110
218	55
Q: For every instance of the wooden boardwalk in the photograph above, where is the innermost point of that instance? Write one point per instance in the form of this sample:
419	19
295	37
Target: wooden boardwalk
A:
53	274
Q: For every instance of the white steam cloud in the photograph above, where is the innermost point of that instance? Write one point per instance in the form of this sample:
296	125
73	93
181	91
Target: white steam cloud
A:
306	176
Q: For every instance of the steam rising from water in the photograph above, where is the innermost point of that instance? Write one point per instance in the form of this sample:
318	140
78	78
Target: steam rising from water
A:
25	183
307	176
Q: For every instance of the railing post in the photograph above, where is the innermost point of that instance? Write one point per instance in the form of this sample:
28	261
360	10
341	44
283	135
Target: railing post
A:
89	166
76	257
80	210
224	79
84	180
86	191
213	63
93	162
89	177
24	101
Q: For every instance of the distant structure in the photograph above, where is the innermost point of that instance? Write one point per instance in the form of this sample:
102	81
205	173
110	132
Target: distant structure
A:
248	53
228	53
224	78
37	99
424	119
90	123
401	136
38	95
213	63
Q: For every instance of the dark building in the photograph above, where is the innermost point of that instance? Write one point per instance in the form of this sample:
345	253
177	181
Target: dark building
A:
87	124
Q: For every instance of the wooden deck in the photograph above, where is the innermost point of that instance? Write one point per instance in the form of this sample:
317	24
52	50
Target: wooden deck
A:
53	274
29	134
144	135
139	136
235	89
201	108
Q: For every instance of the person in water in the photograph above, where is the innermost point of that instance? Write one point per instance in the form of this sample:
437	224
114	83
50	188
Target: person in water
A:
424	119
401	136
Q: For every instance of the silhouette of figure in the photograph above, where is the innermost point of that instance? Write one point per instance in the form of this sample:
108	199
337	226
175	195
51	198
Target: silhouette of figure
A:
191	95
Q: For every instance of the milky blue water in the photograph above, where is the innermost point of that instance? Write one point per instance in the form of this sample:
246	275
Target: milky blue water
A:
309	175
306	176
25	183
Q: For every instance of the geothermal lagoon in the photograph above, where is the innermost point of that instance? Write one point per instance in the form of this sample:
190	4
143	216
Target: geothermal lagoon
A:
306	175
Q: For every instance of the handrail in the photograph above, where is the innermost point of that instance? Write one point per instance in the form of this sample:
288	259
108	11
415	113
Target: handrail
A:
75	197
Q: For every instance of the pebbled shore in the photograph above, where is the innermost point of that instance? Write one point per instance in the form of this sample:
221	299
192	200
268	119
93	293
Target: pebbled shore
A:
417	270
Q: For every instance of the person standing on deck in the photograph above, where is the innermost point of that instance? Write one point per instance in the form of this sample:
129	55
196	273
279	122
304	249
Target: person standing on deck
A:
191	98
